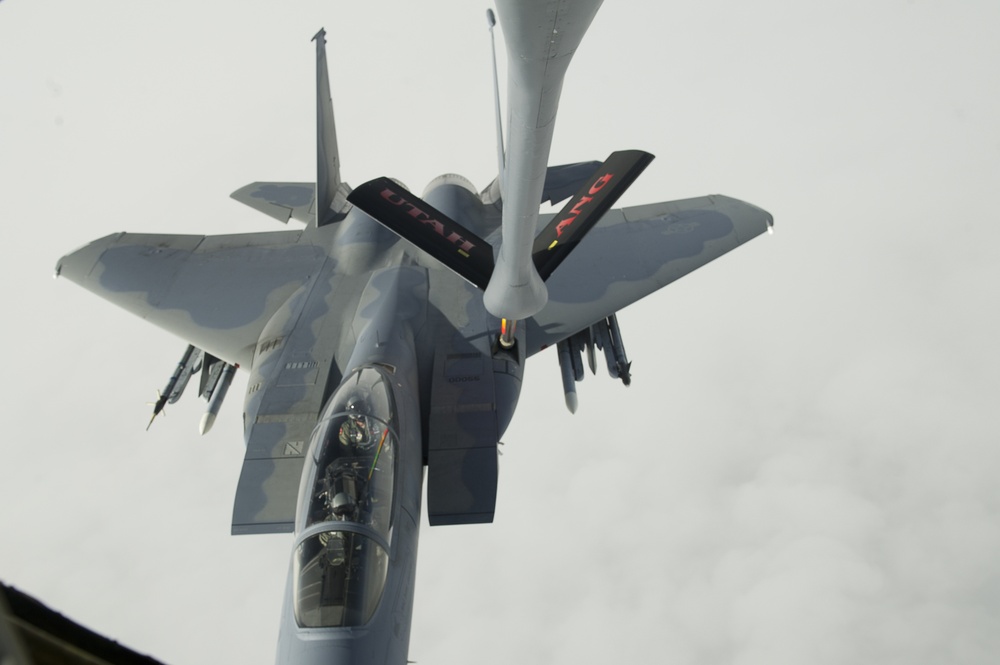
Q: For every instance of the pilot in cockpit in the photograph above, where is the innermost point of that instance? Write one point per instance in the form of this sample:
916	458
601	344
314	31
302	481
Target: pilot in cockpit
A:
338	498
343	506
355	431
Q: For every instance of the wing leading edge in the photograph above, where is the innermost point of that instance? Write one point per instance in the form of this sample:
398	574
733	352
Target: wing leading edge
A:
635	251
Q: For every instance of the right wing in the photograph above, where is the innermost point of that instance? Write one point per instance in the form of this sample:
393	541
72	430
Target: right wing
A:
216	292
635	251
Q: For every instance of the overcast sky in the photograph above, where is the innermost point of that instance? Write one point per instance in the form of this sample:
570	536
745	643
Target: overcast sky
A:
805	467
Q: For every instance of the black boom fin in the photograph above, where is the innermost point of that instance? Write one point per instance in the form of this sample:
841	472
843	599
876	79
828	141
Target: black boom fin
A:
413	219
586	208
458	248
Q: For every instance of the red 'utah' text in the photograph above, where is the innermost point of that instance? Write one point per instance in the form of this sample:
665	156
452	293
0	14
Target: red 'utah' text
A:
425	218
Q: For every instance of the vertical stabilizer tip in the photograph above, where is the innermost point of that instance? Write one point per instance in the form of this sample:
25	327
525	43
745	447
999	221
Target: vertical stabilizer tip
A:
321	35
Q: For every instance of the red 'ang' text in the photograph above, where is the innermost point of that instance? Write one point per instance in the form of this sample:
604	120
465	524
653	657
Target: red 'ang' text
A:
582	203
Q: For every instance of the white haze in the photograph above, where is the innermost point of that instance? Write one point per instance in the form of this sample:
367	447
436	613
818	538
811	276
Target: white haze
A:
804	469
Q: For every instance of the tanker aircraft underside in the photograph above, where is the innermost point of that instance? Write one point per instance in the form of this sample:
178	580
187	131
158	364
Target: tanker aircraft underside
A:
390	331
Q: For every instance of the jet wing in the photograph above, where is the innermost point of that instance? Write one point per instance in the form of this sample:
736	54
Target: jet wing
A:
635	251
216	292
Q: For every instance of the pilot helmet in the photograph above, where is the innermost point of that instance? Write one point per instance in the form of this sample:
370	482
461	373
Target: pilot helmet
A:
342	504
354	409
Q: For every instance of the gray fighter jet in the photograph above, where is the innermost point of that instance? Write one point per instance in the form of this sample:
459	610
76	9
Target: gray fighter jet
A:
390	332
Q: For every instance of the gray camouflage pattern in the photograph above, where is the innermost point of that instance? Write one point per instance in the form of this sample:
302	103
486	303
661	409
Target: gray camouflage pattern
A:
307	312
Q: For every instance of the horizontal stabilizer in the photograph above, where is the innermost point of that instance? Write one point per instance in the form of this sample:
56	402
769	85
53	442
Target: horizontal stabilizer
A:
560	183
563	180
281	200
594	198
410	217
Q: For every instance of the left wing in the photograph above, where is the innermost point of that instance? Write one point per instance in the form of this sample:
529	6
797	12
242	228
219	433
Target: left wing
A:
216	292
635	251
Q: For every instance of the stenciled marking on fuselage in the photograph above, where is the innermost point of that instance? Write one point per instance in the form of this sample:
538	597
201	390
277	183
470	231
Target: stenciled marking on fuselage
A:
462	379
574	213
463	245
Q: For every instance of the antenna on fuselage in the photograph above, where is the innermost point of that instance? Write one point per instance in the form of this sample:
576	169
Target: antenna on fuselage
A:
501	160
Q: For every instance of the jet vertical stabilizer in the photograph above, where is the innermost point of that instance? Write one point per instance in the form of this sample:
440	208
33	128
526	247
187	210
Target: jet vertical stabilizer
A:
331	193
541	38
326	201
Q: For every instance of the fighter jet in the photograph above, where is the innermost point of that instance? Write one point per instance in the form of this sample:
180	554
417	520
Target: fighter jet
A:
389	332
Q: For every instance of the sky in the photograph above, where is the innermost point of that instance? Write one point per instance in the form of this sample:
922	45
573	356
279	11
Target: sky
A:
804	468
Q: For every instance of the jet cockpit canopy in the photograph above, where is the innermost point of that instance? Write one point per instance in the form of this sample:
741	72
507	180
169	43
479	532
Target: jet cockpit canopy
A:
345	505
